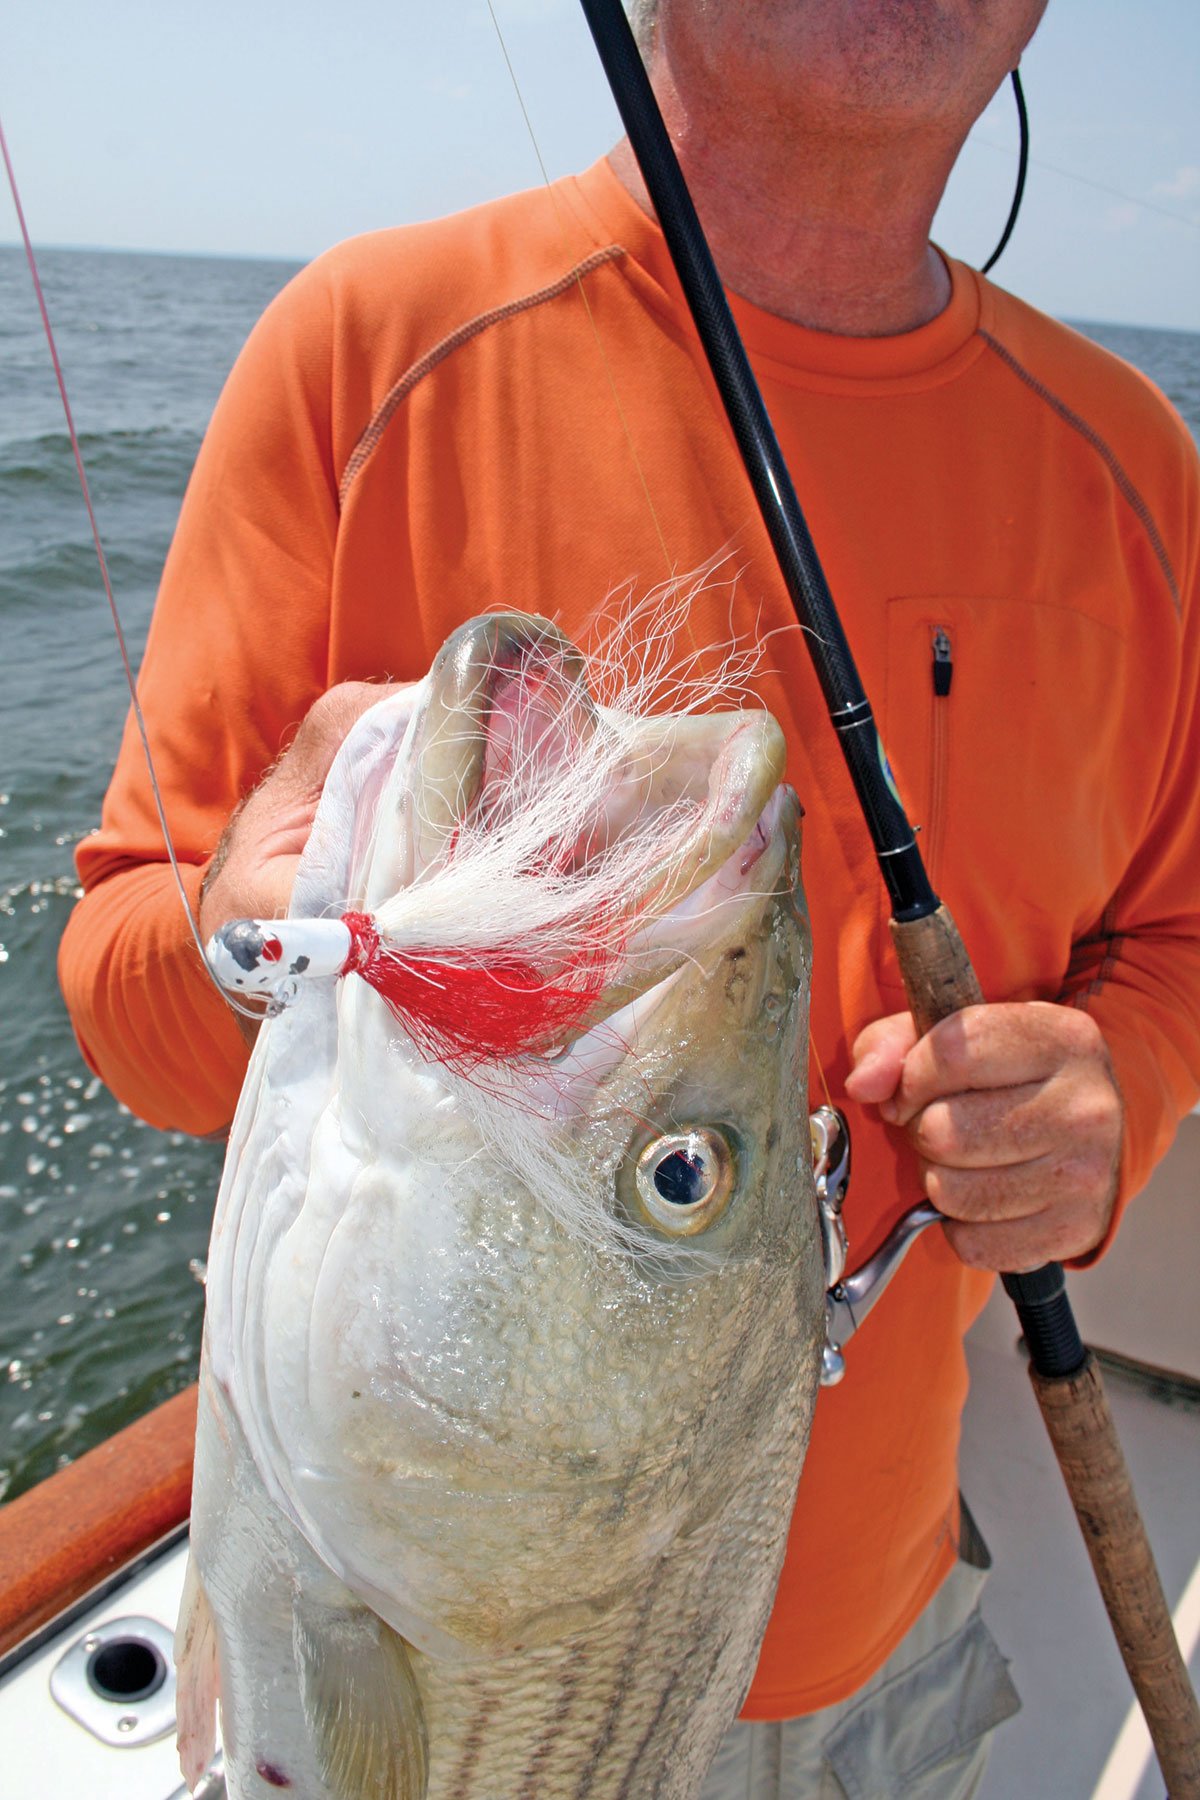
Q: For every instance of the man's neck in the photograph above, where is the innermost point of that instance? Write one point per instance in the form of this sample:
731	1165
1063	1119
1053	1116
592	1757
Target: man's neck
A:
828	234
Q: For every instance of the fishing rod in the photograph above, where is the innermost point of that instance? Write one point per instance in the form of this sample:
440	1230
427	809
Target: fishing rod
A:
936	969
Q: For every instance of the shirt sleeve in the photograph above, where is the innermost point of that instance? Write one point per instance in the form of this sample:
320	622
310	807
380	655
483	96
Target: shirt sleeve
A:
1139	976
237	653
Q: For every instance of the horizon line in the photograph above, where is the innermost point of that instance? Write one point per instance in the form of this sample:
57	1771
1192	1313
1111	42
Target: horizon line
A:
299	262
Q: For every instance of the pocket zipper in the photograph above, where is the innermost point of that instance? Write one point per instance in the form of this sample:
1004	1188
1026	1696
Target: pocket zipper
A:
939	743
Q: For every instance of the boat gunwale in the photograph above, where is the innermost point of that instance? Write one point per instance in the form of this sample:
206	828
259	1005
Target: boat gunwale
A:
65	1540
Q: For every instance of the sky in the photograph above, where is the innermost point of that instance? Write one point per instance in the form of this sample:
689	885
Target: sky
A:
254	128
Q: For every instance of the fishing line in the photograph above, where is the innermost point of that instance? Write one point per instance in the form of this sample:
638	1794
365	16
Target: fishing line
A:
126	664
816	1056
610	374
1101	187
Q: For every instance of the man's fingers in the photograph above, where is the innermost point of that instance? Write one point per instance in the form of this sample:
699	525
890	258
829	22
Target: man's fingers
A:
1023	1214
1020	1190
988	1047
1017	1120
321	733
997	1126
1018	1245
879	1055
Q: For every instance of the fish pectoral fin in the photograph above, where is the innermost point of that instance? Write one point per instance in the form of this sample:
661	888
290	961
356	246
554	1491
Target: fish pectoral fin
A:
197	1678
361	1702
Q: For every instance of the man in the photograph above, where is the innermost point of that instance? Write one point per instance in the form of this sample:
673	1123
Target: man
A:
423	426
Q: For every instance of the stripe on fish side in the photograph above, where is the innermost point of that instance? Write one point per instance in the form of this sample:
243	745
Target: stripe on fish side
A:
745	1345
684	1721
571	1678
620	1692
651	1597
669	1687
475	1739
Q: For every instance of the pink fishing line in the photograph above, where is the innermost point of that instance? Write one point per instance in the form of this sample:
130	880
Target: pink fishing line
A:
131	683
62	389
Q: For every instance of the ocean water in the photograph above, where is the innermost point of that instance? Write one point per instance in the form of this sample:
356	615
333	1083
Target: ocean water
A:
103	1221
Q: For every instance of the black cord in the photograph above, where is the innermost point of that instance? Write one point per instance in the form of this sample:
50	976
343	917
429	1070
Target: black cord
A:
1022	168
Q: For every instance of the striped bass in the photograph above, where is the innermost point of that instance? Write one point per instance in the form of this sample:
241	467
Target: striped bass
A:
515	1292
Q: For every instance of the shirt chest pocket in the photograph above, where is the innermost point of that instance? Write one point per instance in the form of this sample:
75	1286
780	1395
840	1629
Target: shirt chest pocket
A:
1004	721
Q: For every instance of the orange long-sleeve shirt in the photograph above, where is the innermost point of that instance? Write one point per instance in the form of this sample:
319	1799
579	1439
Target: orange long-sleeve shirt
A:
431	422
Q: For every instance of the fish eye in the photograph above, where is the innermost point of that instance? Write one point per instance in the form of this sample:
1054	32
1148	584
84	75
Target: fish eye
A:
685	1180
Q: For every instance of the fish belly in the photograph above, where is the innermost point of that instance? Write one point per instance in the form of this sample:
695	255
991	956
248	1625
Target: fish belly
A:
249	1564
320	1699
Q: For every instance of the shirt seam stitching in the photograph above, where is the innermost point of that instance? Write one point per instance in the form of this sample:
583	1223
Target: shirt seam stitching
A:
462	334
1113	940
1125	486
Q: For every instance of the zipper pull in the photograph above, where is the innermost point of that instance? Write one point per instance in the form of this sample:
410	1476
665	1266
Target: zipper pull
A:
943	662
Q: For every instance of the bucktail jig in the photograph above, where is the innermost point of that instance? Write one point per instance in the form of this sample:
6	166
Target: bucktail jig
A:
489	1007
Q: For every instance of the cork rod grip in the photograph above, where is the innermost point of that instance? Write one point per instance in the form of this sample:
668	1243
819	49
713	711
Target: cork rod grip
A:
937	973
1081	1429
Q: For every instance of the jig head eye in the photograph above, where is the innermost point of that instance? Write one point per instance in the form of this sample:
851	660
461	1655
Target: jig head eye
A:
685	1180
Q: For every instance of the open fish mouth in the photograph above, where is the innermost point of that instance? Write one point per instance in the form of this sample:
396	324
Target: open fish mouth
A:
555	839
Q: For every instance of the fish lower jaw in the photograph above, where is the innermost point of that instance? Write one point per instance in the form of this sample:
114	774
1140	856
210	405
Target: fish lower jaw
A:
754	868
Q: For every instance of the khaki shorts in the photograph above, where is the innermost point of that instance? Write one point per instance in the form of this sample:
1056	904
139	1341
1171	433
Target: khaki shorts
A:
919	1730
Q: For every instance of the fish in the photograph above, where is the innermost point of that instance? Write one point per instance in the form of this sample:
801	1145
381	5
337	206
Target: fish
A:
515	1291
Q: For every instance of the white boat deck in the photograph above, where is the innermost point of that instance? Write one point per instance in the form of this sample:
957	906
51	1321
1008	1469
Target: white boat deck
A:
50	1757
